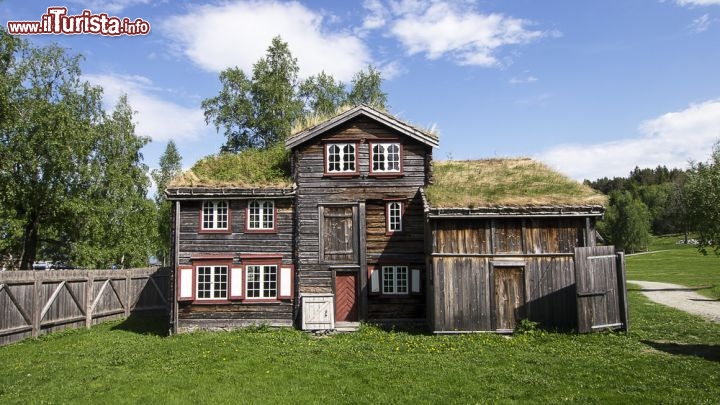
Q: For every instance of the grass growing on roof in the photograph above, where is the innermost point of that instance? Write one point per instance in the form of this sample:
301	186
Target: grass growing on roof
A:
505	182
249	168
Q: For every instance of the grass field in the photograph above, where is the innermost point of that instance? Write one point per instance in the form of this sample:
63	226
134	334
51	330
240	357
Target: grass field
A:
679	264
668	357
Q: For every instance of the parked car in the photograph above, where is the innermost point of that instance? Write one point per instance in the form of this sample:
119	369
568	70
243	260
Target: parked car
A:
42	265
63	266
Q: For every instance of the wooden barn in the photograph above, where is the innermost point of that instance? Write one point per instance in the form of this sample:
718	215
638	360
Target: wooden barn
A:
510	239
359	225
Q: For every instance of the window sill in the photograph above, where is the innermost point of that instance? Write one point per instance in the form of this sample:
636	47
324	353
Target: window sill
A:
387	175
219	231
341	175
261	231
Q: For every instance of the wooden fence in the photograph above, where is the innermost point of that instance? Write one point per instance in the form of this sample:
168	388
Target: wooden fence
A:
33	303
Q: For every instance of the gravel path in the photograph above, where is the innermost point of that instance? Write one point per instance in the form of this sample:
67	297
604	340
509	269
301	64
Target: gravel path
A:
680	297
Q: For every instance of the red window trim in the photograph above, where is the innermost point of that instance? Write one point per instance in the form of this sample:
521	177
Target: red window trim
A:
247	218
389	232
340	174
261	260
228	230
209	262
372	173
192	283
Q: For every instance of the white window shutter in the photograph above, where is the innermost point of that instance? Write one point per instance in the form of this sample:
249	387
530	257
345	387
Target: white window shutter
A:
236	283
185	284
286	282
415	281
374	280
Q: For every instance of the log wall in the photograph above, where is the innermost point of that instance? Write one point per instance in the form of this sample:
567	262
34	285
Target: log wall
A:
195	244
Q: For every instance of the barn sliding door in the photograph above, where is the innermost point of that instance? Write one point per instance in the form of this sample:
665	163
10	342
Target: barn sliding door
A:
601	293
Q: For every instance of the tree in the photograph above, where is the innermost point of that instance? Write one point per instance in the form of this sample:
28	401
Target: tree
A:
366	89
67	170
322	94
702	191
257	112
260	111
170	167
626	223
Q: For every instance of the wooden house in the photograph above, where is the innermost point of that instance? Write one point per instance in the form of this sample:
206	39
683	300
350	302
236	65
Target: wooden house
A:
363	228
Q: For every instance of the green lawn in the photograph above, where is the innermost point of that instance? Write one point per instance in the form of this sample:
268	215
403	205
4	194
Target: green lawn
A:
669	357
679	264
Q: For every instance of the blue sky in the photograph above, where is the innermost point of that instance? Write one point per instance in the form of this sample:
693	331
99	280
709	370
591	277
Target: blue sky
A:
593	88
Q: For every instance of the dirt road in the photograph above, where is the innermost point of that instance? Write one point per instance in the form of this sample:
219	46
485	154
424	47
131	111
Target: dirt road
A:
680	297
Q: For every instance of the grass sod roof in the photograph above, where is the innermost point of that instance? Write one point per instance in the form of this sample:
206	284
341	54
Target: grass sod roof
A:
518	182
252	168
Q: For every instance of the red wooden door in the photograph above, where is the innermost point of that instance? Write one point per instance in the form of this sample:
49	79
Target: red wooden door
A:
346	308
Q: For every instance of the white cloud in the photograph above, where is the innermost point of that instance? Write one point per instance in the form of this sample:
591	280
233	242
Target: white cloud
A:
701	23
216	37
523	80
671	139
157	118
697	2
108	6
377	15
439	29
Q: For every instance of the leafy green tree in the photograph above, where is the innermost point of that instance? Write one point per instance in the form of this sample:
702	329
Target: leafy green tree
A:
257	112
170	167
626	223
703	201
366	89
322	94
71	183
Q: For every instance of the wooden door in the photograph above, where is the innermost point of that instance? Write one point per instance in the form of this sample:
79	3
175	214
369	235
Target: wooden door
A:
600	289
509	297
346	303
339	239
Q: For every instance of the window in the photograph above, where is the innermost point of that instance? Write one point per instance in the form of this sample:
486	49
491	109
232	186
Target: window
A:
386	158
340	158
261	215
212	282
393	212
215	215
261	281
395	280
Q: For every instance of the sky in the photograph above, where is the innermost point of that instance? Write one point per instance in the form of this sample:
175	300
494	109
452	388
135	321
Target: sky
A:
592	88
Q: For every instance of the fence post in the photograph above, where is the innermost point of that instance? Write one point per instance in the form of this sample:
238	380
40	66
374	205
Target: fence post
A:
128	281
622	291
37	306
89	296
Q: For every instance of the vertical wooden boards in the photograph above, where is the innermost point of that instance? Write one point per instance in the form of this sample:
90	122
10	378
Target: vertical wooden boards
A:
598	299
508	297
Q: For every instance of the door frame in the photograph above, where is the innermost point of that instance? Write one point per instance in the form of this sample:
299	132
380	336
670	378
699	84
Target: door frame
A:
360	246
347	270
491	281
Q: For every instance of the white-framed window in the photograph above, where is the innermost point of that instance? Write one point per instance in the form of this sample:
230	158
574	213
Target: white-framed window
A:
261	215
393	211
212	282
340	158
385	158
261	281
395	280
215	215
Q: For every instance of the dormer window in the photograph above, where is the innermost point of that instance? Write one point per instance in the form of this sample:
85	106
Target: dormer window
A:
340	158
386	158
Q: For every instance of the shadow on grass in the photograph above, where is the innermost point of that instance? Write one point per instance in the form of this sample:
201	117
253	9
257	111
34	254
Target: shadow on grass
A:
144	325
669	289
707	352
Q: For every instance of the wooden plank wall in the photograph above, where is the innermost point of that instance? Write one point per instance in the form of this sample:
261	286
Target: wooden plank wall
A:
466	250
33	303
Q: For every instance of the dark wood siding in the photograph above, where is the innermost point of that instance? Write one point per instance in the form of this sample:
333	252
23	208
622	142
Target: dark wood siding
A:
237	242
467	251
369	194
